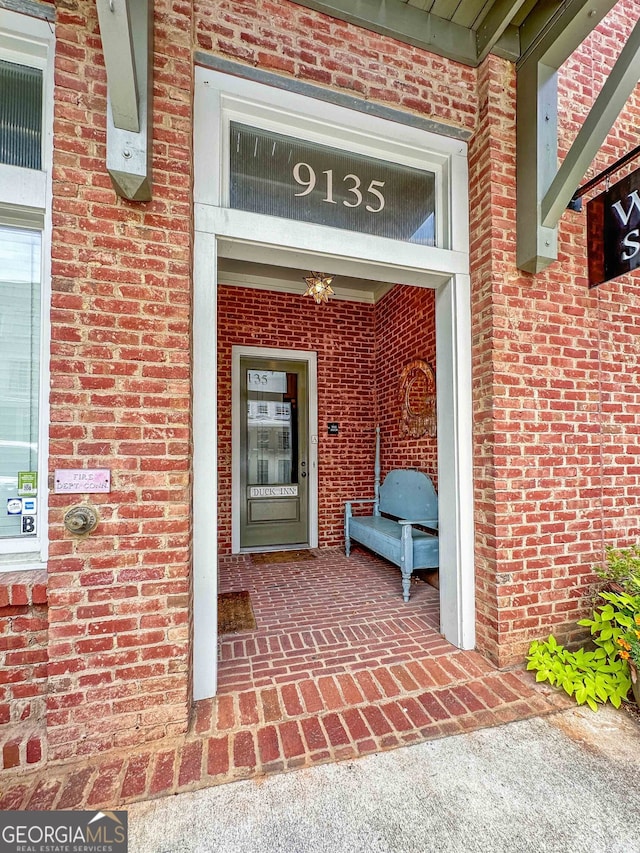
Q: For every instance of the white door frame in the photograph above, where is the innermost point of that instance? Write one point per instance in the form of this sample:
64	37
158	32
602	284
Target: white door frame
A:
311	360
220	231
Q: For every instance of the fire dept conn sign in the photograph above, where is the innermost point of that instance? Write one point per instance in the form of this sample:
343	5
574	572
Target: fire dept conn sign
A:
613	229
281	176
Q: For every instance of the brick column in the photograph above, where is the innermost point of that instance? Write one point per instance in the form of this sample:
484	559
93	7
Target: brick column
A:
120	399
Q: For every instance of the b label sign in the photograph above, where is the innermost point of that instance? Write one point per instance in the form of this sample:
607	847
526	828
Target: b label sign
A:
613	230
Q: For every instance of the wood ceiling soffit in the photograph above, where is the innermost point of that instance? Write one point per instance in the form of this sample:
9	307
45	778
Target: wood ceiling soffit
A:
406	23
463	30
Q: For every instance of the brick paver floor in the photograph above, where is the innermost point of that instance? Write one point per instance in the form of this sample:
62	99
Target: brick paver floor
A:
338	666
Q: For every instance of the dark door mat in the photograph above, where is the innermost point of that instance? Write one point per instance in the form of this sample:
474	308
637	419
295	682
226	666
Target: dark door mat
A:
235	613
282	557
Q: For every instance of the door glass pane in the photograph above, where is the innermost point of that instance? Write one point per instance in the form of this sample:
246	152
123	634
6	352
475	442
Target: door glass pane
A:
19	365
272	444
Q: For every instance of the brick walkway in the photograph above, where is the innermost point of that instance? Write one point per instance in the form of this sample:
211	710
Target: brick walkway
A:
338	666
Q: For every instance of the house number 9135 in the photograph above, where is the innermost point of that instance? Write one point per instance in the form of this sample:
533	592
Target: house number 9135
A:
305	175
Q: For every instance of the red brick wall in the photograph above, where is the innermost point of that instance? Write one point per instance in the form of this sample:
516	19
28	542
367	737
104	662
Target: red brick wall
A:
405	332
554	366
120	391
491	200
120	369
276	35
23	667
536	401
555	409
614	307
362	350
342	334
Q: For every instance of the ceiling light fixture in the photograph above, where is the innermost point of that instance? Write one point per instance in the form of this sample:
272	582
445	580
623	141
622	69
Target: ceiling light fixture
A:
319	286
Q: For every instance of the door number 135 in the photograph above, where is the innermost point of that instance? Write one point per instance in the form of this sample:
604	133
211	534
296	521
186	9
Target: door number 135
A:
304	175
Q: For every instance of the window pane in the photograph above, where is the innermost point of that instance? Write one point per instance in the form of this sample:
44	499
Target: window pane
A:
279	175
271	424
20	115
19	366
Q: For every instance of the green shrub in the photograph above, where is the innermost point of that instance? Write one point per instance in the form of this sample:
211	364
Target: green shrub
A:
594	677
602	674
622	567
613	621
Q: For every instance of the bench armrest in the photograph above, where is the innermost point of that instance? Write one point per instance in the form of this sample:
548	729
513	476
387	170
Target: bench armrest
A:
420	522
348	509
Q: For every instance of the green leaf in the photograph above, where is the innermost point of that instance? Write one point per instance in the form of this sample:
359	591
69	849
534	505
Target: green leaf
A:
592	704
602	692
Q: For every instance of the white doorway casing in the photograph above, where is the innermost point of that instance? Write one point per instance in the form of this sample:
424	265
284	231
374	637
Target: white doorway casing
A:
236	234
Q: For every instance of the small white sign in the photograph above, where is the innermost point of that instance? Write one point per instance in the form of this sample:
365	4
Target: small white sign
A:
82	480
29	506
28	483
14	506
28	525
273	491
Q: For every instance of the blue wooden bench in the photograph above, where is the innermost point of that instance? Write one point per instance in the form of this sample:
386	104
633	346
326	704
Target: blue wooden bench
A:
403	505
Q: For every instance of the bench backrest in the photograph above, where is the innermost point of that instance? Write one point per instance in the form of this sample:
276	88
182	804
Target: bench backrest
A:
408	494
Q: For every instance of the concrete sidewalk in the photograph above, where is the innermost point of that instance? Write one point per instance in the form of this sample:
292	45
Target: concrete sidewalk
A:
566	782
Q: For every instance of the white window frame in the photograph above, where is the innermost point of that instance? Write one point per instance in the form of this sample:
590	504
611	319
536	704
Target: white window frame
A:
349	139
25	202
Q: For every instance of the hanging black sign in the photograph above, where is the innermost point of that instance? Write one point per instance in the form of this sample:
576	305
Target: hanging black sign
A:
613	231
295	179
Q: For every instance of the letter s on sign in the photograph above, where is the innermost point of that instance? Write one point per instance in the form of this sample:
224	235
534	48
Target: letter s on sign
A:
632	245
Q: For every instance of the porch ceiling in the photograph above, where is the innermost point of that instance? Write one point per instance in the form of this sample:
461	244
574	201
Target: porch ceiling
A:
463	30
241	273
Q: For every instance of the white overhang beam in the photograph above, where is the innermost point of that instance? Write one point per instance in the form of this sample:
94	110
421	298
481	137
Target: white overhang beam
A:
119	60
536	122
494	25
126	30
617	88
